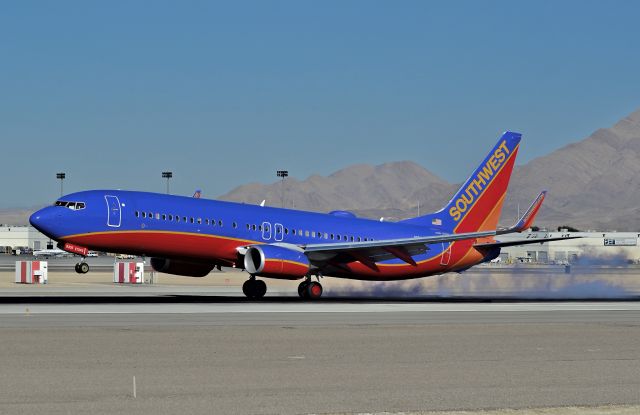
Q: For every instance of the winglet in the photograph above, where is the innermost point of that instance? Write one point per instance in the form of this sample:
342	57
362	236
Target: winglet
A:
529	216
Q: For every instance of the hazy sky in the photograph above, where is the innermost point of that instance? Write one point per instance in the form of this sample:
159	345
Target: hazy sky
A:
224	94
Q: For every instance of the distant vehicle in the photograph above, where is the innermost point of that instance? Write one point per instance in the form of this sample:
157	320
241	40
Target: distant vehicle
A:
496	260
124	256
50	253
92	254
190	236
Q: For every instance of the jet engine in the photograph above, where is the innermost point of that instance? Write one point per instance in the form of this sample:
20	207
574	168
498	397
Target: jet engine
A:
184	268
276	261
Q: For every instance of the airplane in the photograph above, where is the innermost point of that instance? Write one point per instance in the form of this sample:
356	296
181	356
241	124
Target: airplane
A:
48	253
189	236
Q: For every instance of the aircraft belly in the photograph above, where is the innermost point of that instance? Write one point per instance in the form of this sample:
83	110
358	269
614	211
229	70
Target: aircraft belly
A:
161	244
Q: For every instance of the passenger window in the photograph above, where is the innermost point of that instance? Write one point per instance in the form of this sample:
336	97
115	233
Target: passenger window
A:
293	231
157	216
191	219
352	239
184	218
286	231
253	227
331	236
248	227
235	225
206	221
137	214
220	222
164	216
177	218
150	215
326	235
199	221
359	239
170	217
306	233
313	234
144	214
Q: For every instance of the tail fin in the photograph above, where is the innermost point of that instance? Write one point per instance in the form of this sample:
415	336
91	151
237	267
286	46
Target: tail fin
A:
477	205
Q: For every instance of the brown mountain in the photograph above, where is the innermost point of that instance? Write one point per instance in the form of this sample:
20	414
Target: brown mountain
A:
16	216
592	184
390	189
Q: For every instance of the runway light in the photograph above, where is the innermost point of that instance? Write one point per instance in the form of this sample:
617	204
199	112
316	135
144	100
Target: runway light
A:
167	175
282	174
61	177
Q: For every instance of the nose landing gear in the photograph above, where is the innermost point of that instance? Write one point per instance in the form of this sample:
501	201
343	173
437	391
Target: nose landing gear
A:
82	267
254	289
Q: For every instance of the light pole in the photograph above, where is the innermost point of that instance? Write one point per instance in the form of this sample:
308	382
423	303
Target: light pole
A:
283	174
61	177
167	175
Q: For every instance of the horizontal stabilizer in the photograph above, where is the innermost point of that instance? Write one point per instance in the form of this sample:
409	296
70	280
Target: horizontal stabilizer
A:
518	242
529	216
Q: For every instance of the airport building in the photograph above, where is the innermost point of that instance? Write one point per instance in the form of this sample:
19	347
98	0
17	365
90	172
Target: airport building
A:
587	247
15	237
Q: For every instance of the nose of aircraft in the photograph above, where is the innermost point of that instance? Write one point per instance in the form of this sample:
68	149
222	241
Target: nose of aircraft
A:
45	220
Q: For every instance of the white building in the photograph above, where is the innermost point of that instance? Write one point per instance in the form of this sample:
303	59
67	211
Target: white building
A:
12	237
589	246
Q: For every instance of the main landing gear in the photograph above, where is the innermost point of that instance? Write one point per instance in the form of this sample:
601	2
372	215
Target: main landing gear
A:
254	289
82	267
310	290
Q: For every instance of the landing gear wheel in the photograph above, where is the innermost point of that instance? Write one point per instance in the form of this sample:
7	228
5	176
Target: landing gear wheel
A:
254	289
260	288
78	268
83	267
246	288
313	290
302	289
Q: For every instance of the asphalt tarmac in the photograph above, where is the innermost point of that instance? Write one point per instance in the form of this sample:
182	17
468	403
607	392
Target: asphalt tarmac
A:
215	353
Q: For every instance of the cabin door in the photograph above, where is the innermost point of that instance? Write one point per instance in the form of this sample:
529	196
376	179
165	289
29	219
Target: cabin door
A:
114	216
266	231
278	232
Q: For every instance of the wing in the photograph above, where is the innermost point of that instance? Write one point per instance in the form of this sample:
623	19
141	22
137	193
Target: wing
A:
370	252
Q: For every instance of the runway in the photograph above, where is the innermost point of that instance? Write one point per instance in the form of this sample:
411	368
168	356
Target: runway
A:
218	354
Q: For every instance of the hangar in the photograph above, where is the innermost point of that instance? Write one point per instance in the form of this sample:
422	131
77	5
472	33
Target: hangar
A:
12	237
592	246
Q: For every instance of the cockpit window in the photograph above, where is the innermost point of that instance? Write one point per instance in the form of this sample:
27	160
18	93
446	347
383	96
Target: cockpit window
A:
70	205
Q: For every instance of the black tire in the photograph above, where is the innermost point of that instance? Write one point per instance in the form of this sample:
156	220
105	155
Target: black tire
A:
83	267
247	288
314	290
78	268
260	288
302	289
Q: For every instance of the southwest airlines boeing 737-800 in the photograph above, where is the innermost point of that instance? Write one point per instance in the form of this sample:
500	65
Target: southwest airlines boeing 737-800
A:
190	236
